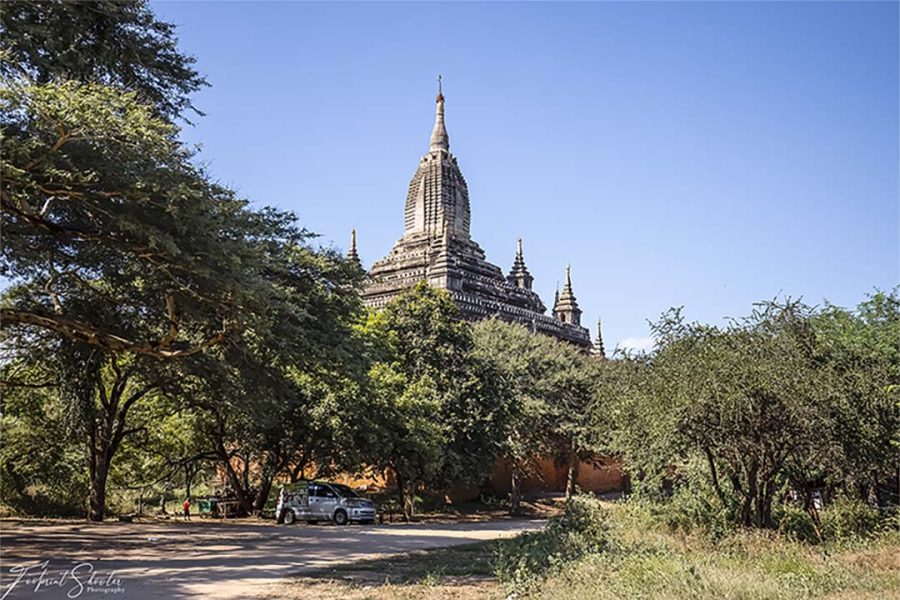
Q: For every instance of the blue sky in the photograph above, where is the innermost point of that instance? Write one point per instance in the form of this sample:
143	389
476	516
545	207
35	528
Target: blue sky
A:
701	154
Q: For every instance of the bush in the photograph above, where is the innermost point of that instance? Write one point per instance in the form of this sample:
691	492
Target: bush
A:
696	509
848	518
580	531
795	523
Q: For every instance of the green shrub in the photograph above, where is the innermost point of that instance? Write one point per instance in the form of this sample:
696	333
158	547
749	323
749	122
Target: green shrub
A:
580	531
848	518
795	523
696	509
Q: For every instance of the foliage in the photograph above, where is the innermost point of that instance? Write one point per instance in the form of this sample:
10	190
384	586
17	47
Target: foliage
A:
862	350
434	405
555	398
42	465
692	505
121	251
113	238
648	560
847	518
780	401
119	44
582	530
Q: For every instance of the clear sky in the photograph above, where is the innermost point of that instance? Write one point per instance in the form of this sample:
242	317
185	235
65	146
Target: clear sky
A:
701	154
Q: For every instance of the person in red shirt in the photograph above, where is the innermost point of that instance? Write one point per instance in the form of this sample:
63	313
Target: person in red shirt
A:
187	509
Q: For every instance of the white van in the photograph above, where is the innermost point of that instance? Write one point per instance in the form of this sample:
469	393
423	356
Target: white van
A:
313	501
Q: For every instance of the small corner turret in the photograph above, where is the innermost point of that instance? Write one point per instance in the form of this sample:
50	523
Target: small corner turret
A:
597	350
352	256
519	275
566	306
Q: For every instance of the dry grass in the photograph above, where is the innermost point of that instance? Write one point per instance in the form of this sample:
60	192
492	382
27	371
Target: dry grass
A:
462	572
646	562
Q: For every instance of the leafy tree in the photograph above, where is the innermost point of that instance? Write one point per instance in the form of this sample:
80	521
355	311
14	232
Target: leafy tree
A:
786	399
41	465
519	357
119	44
265	395
576	422
122	250
432	403
862	351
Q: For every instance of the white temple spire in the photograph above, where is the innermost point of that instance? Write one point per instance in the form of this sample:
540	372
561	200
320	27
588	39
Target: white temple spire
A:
439	138
352	254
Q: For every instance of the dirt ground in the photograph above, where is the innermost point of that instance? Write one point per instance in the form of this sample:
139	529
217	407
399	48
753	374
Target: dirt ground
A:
204	559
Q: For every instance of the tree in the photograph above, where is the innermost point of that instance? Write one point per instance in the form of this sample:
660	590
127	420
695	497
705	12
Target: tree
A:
263	393
786	398
119	44
117	245
42	465
576	430
862	350
519	356
431	402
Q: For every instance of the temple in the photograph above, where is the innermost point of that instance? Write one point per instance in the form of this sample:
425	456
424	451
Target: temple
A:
436	247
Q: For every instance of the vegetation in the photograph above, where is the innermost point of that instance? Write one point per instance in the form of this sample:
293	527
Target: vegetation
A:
770	410
134	278
624	550
158	329
646	559
435	405
553	397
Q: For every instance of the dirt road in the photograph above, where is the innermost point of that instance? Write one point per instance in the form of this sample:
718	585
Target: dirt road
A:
214	560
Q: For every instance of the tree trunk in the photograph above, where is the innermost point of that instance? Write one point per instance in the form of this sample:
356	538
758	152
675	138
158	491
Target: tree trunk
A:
715	476
401	491
188	479
233	478
105	431
515	496
768	495
572	476
409	505
97	499
297	472
265	488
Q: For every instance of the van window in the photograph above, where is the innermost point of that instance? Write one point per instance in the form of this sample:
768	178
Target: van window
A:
344	491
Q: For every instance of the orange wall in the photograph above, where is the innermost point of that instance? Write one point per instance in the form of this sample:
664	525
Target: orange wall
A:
549	477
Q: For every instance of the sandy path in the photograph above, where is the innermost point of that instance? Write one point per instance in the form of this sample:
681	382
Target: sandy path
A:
140	561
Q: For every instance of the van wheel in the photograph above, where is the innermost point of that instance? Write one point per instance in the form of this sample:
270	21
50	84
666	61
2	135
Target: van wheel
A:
340	517
289	517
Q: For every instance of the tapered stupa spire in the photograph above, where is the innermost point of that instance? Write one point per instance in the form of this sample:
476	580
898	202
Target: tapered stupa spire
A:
351	254
598	350
566	308
519	275
439	138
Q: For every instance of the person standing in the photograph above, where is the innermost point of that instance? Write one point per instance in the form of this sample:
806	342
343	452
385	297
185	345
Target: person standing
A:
187	509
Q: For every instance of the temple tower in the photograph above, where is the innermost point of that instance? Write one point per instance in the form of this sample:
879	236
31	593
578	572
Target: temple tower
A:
351	254
598	350
438	196
566	308
437	247
519	275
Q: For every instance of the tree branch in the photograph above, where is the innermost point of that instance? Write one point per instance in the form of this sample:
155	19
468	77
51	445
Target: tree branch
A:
83	332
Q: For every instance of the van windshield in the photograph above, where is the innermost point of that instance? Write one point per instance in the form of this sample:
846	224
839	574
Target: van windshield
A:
344	491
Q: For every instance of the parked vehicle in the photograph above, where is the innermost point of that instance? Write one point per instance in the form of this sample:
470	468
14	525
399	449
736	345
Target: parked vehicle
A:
313	501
